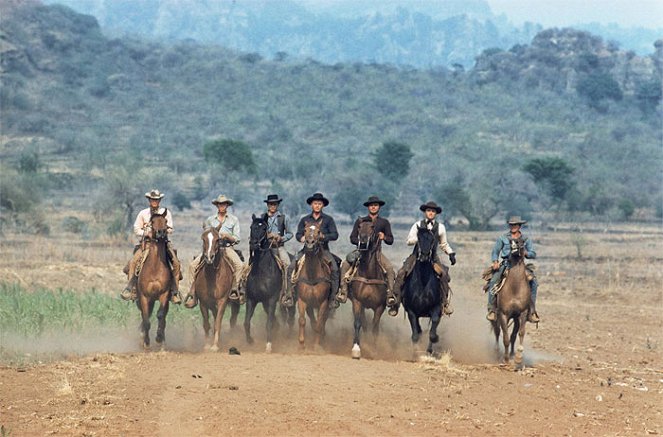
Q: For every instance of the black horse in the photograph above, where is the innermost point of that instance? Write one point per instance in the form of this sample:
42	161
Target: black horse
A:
264	281
421	296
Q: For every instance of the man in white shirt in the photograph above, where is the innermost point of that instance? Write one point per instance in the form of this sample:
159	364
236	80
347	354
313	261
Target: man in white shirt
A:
140	224
430	210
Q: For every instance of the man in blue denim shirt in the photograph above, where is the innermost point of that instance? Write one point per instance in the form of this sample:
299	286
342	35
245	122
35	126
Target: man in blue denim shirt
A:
501	250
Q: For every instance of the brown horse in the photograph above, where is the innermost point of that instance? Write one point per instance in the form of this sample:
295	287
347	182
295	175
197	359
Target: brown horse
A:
313	285
155	279
368	286
212	285
513	302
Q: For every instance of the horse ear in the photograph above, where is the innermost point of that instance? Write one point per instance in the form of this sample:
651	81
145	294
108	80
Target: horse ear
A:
253	217
218	228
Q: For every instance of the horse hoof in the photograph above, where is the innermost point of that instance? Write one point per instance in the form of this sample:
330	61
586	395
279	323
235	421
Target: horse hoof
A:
268	347
356	352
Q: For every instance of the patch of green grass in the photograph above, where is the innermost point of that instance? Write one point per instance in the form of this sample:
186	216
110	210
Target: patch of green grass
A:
31	313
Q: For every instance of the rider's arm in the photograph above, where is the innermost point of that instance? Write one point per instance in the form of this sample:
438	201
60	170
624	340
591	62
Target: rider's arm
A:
388	236
139	225
169	222
412	236
287	235
354	235
444	244
331	233
529	247
497	250
300	229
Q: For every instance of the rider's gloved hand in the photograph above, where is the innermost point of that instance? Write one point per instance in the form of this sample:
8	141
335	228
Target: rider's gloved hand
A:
452	258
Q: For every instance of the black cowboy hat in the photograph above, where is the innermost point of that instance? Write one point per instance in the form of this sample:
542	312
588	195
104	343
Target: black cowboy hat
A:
318	196
430	205
374	199
273	198
516	220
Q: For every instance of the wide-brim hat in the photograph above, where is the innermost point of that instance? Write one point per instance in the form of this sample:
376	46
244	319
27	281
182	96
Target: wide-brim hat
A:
374	199
430	205
222	199
154	195
516	220
273	198
318	196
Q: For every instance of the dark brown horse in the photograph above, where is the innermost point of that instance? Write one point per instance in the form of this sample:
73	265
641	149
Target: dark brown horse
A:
513	302
212	285
368	286
313	285
155	278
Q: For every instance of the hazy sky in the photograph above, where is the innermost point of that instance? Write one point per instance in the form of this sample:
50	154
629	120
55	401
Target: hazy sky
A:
626	13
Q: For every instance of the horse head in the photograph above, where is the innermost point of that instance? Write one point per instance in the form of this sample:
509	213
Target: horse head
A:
158	226
367	236
516	250
425	245
210	237
312	237
258	235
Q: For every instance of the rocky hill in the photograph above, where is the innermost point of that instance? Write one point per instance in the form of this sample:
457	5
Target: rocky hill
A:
83	113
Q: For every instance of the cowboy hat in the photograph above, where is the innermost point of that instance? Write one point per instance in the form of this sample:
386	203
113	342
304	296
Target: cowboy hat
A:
273	198
222	199
516	220
318	196
374	199
155	195
430	205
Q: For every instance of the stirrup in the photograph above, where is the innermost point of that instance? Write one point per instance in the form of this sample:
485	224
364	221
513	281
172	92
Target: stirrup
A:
492	316
342	297
393	310
447	309
175	297
287	301
234	295
533	317
190	301
391	301
128	295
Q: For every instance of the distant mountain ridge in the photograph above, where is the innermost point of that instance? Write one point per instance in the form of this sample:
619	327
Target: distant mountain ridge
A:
424	34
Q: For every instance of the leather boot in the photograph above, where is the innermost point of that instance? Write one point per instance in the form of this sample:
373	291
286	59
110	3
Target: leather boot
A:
533	317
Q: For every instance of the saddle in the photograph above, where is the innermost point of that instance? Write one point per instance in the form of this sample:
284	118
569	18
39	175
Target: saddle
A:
300	264
487	275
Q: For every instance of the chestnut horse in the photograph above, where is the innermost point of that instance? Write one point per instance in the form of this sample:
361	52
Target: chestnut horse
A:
155	278
313	286
212	285
368	286
513	303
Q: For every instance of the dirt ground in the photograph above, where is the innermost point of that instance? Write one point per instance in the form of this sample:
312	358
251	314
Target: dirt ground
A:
594	365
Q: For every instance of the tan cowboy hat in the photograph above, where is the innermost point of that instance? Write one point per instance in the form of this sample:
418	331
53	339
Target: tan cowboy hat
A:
155	195
222	199
430	205
516	220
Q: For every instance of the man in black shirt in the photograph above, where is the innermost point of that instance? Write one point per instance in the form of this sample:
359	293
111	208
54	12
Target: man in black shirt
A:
382	227
329	233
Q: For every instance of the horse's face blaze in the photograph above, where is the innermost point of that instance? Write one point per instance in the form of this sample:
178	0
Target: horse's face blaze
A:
311	236
210	239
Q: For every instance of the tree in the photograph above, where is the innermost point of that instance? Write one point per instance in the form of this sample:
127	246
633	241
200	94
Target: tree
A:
392	160
552	175
596	87
232	155
649	95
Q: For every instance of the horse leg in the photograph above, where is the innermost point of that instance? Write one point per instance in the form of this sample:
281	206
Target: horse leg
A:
302	310
204	311
250	308
357	311
414	325
364	324
323	313
220	309
272	323
505	335
521	338
434	322
164	303
234	312
146	312
377	315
